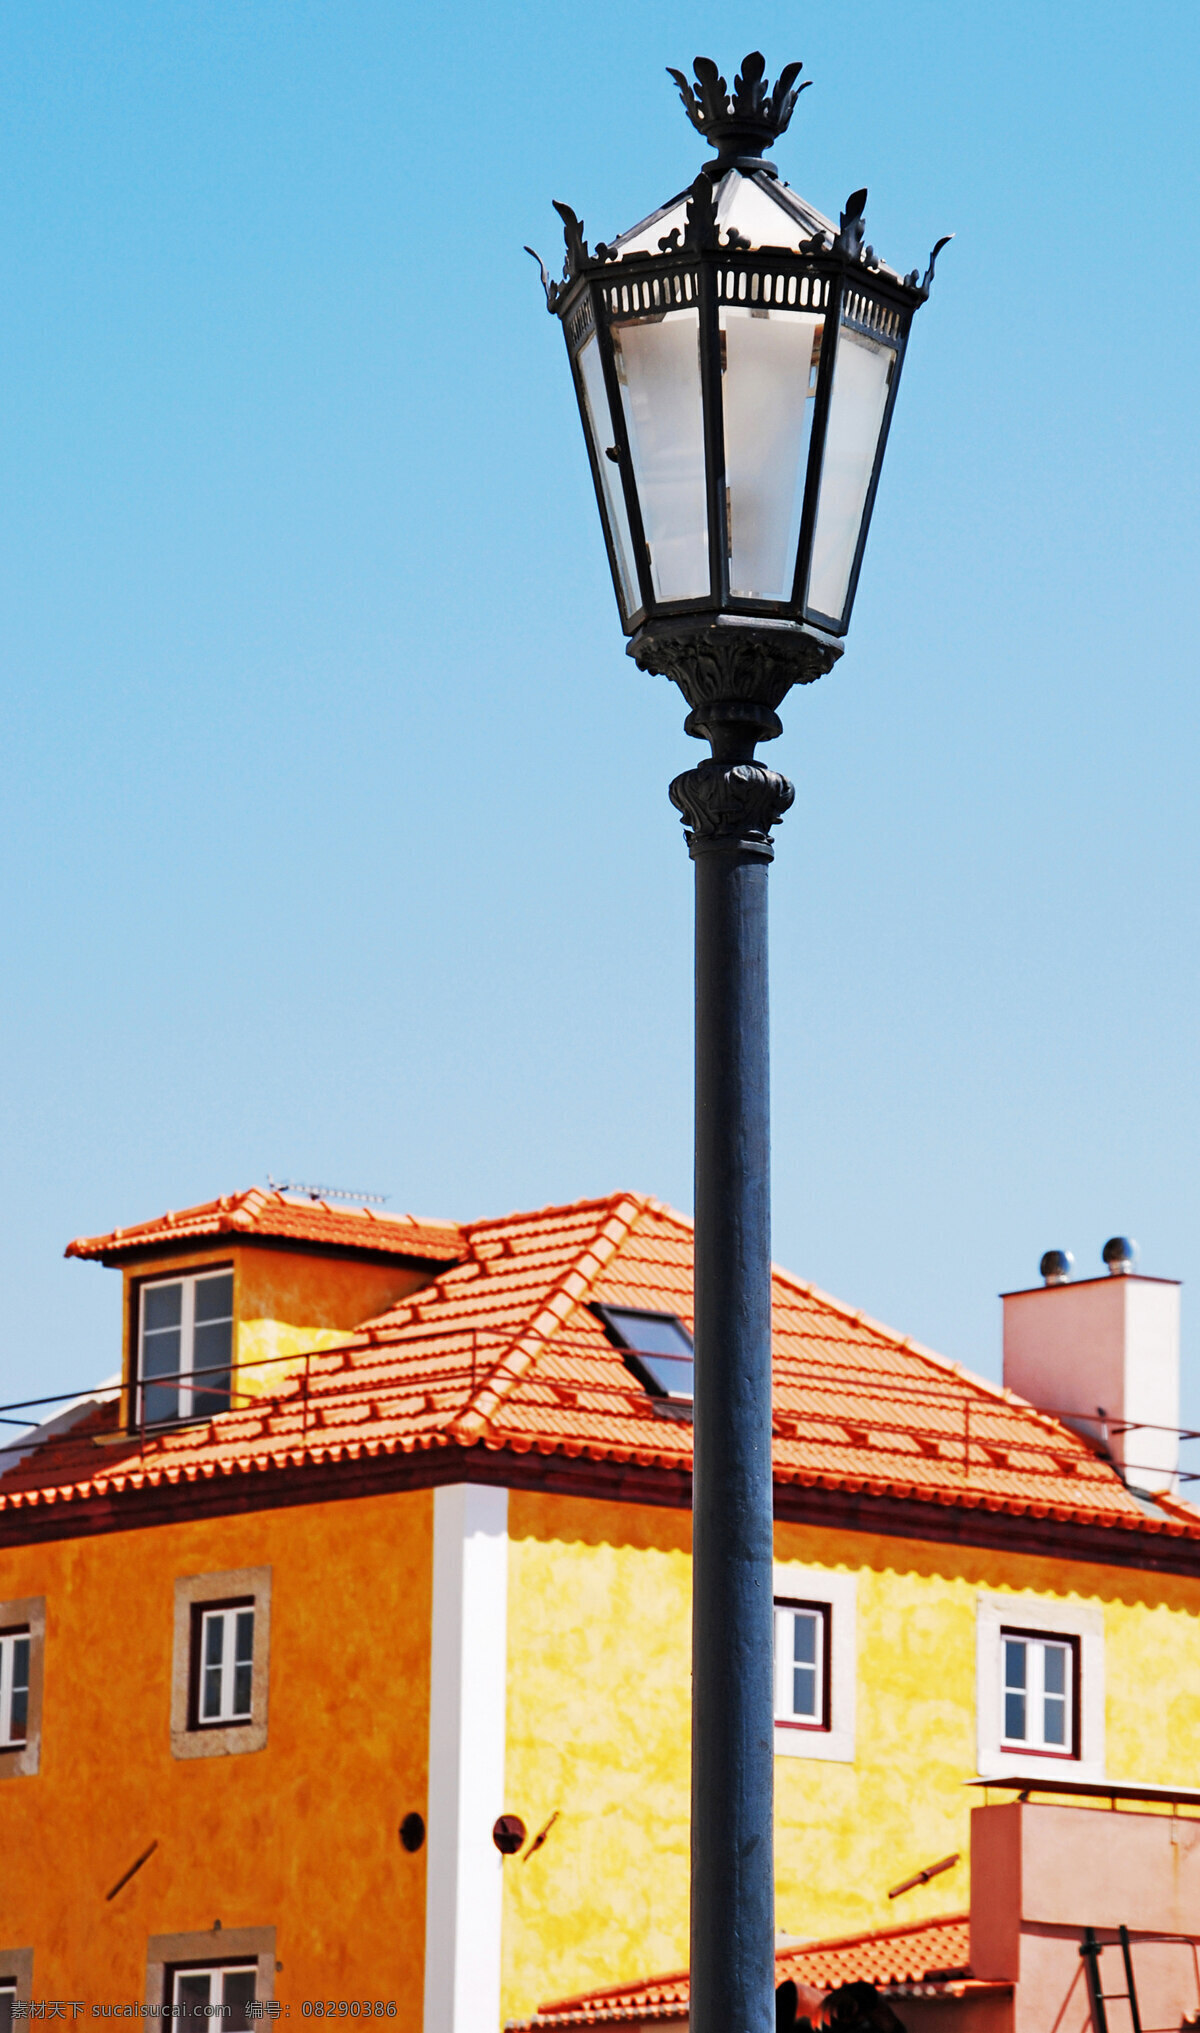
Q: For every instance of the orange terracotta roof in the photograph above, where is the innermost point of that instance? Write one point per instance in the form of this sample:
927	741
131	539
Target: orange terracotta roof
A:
502	1351
934	1953
259	1212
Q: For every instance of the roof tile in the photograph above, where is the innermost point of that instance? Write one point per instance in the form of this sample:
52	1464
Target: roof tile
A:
274	1214
933	1951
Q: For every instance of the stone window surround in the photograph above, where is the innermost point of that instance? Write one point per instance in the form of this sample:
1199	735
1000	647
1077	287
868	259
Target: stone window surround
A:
838	1592
165	1952
1067	1619
237	1738
16	1966
27	1610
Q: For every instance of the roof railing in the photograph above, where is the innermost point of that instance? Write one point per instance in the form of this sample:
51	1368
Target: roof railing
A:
984	1432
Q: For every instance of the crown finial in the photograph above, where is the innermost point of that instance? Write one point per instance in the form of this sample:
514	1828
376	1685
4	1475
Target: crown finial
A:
742	126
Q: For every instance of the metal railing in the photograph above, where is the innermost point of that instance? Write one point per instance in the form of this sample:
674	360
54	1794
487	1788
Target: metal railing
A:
448	1365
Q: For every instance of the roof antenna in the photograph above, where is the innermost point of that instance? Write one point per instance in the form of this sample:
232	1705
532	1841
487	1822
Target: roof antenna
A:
301	1187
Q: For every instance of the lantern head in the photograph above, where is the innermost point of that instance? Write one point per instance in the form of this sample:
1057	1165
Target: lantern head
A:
736	359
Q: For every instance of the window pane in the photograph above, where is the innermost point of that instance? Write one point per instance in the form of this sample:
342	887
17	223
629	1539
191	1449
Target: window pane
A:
600	430
162	1306
769	361
238	1993
1056	1720
212	1355
1056	1669
1014	1662
244	1656
1014	1717
804	1639
214	1298
7	1994
18	1715
862	376
193	1987
658	364
160	1402
651	1333
804	1692
214	1638
161	1353
677	1379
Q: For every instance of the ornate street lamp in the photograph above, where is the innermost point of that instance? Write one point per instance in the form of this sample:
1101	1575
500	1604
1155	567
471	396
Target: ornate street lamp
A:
736	360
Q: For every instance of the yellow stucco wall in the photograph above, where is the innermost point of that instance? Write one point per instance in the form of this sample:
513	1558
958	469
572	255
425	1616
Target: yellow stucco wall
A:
599	1613
302	1835
599	1610
285	1302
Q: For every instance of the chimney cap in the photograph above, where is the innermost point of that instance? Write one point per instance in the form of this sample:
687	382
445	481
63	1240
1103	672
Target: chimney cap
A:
1056	1266
1120	1254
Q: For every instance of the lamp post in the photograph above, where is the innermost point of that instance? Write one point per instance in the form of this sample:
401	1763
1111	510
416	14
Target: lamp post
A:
736	359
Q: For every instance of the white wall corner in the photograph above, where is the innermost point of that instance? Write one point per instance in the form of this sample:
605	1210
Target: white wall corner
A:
1085	1621
795	1583
467	1716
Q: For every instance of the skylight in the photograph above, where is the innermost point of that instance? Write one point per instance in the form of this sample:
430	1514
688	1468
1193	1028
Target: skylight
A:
657	1348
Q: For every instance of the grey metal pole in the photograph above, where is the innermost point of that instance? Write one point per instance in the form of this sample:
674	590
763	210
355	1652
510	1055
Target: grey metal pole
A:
728	805
733	675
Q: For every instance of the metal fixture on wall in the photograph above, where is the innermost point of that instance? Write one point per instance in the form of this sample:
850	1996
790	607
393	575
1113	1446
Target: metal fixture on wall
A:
736	359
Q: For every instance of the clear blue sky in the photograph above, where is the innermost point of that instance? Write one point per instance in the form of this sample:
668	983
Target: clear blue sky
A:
335	831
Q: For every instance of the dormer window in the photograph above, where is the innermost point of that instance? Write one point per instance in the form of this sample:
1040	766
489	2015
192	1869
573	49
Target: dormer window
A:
657	1348
185	1346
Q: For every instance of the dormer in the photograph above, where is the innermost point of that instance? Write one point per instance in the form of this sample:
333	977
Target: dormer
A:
222	1302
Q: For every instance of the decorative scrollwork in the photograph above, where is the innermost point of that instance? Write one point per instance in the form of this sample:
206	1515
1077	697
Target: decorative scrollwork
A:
734	802
927	279
923	284
754	666
553	289
755	115
577	256
576	245
701	232
849	240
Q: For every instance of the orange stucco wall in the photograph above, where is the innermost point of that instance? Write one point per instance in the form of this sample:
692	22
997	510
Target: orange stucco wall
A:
284	1302
302	1835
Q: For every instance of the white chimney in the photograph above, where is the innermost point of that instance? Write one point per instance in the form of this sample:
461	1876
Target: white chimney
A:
1103	1354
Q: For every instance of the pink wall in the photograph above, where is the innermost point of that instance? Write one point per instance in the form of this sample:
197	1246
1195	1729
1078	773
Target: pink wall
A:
1039	1875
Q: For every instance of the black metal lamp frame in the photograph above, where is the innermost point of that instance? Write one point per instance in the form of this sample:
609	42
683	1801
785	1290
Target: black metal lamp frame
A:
705	274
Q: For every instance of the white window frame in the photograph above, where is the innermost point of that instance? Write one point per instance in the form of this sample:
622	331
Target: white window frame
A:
226	1617
9	1640
23	1616
999	1758
220	1970
836	1594
182	1384
786	1613
1034	1691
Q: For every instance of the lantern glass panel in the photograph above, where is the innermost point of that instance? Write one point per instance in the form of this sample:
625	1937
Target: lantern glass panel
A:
769	362
599	426
862	378
658	366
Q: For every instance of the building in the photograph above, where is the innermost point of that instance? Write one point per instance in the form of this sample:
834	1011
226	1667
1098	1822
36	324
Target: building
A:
344	1645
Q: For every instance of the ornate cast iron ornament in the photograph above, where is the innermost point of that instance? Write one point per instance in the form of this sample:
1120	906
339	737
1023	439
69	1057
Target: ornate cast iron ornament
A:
731	580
